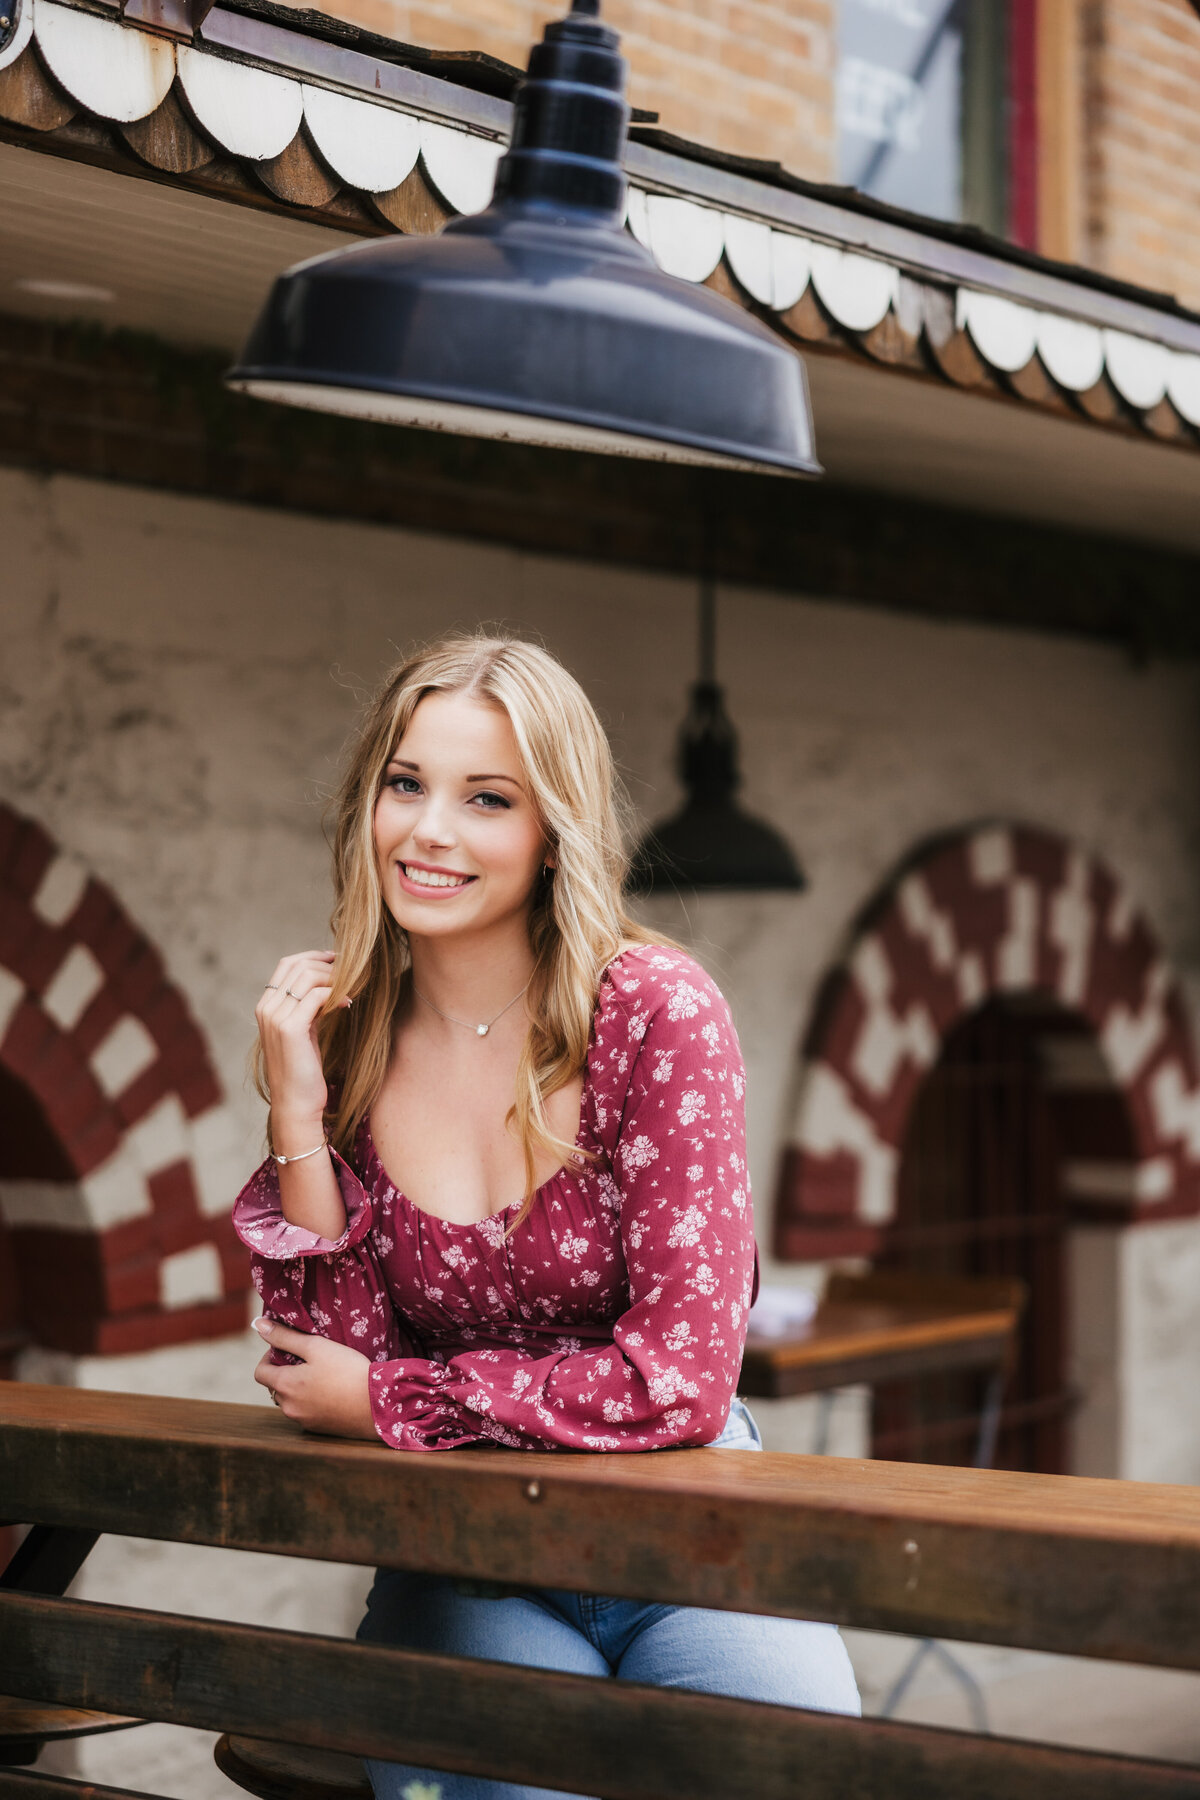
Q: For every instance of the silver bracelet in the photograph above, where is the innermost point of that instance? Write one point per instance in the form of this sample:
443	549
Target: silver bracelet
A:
303	1156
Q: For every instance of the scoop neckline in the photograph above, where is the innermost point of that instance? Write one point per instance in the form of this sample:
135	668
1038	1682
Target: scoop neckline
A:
475	1224
563	1169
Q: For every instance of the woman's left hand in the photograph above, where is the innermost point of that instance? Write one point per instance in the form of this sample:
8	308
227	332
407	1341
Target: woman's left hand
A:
326	1390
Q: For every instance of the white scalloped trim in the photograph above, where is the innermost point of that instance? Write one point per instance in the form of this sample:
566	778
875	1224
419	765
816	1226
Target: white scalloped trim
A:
1137	368
115	71
461	167
367	146
857	290
1072	351
686	240
1003	331
249	112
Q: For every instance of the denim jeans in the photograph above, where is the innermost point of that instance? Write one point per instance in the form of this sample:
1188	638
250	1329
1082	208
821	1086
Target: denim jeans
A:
786	1661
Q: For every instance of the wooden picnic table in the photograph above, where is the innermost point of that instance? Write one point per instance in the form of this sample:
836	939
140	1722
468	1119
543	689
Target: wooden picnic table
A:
1095	1568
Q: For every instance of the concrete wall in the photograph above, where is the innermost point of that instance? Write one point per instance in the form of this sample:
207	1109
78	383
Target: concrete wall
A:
177	680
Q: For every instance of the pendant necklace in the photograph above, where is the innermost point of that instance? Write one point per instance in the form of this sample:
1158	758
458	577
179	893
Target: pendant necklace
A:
479	1030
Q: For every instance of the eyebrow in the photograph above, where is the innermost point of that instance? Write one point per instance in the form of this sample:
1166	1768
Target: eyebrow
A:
398	762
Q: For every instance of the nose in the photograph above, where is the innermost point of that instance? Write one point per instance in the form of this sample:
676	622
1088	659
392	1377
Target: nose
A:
433	829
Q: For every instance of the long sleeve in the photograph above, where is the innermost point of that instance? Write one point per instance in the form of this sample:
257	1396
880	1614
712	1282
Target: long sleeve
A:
669	1110
333	1289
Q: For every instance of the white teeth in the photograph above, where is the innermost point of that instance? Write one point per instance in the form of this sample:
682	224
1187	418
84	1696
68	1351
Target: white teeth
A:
427	878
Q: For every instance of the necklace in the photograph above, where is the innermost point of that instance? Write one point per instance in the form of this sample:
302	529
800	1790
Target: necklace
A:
479	1030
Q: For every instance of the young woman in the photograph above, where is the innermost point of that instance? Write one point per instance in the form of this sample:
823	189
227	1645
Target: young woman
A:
507	1197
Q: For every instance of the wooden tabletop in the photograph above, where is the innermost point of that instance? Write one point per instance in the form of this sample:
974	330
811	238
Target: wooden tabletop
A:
887	1325
1089	1567
868	1341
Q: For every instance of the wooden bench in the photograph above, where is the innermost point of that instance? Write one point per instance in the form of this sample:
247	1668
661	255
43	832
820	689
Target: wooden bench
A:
1093	1568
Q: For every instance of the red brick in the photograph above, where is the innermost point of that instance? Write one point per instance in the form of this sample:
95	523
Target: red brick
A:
128	1241
29	854
131	1286
199	1094
151	1330
28	946
143	1094
98	1020
101	924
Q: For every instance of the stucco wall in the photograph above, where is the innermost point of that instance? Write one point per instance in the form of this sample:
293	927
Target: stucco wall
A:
179	675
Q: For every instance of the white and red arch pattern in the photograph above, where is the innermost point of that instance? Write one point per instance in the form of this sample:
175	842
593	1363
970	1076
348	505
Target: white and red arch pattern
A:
990	911
117	1209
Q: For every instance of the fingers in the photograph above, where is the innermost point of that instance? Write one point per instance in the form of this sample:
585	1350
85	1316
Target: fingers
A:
283	1337
280	1383
298	974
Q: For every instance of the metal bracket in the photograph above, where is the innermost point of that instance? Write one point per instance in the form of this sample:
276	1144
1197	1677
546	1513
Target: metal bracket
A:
176	19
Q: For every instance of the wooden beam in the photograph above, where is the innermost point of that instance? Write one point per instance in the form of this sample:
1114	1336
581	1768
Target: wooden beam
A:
132	409
615	1739
1059	100
1083	1567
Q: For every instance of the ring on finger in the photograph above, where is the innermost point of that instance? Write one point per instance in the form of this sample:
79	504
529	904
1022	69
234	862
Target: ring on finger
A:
275	1400
292	996
272	985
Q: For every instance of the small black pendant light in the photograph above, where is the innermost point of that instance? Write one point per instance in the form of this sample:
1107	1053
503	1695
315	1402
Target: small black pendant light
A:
541	319
711	842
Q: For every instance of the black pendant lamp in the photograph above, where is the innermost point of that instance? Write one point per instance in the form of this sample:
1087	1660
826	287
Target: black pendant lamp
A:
711	842
540	320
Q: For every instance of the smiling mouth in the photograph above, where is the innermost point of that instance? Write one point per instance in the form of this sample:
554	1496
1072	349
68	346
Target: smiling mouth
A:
434	878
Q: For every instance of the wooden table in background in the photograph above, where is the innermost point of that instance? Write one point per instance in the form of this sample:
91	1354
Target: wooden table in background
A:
886	1326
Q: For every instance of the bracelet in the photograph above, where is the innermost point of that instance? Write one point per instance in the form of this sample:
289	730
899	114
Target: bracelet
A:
303	1156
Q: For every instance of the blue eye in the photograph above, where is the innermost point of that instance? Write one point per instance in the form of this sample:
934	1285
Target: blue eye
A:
492	801
404	784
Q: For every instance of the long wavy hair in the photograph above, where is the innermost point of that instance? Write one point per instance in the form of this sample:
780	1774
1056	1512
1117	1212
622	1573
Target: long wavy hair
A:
577	920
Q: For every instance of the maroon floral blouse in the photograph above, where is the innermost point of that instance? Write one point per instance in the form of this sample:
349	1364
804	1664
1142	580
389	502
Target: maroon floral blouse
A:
614	1317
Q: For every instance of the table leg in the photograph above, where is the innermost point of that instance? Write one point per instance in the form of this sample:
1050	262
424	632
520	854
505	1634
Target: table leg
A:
825	1401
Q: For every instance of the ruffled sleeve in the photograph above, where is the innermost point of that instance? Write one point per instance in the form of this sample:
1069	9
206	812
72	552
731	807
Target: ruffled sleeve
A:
332	1288
669	1088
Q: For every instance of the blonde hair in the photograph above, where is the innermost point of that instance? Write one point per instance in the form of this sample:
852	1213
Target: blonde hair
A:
578	921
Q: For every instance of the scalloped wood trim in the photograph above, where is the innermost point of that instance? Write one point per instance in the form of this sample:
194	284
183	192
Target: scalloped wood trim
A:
413	207
168	140
297	175
808	321
29	97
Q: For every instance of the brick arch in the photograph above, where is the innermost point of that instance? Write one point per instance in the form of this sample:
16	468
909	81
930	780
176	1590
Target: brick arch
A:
119	1159
992	911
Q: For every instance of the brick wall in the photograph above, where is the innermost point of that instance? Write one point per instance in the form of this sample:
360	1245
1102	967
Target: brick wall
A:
751	76
1142	143
757	77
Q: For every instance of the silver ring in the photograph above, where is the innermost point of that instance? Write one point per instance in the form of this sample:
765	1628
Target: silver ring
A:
273	985
290	994
275	1400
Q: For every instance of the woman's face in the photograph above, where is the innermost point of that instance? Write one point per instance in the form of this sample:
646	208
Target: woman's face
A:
458	843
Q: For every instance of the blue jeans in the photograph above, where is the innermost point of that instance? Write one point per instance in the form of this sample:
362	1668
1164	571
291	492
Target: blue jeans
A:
786	1661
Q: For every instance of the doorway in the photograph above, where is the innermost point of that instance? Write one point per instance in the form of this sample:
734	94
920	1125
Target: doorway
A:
980	1193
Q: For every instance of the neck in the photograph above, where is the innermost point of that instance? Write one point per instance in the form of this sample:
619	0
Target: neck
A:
472	978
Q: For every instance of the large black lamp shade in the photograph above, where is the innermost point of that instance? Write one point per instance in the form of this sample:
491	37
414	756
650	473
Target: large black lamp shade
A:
541	319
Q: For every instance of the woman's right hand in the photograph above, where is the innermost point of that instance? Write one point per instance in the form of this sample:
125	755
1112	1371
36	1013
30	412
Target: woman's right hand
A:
287	1015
